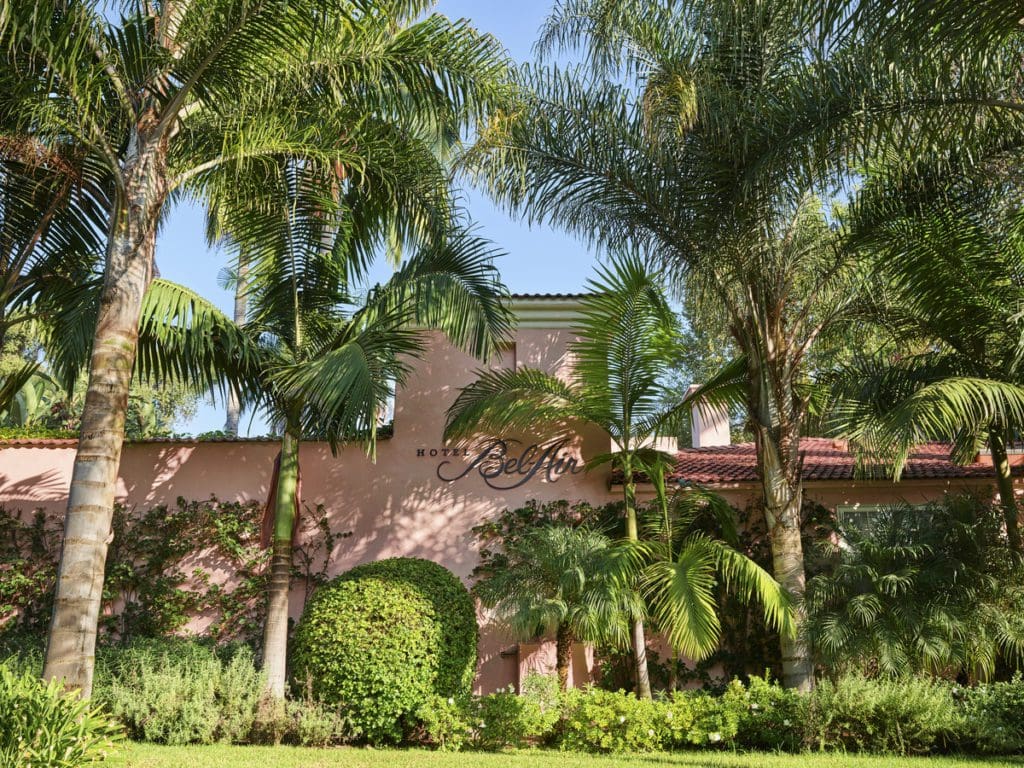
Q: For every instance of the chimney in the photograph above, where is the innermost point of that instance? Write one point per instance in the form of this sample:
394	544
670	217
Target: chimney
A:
710	425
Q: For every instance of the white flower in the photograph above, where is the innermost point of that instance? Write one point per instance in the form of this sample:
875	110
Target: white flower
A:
668	715
481	725
714	737
755	706
785	722
650	731
622	718
451	701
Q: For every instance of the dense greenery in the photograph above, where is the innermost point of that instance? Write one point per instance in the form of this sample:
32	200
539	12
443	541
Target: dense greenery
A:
932	590
556	580
624	327
43	725
153	587
851	714
379	640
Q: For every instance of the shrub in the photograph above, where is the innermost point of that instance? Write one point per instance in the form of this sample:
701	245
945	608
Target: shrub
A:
606	721
304	722
505	720
383	638
699	719
41	725
770	717
180	692
903	716
992	722
445	722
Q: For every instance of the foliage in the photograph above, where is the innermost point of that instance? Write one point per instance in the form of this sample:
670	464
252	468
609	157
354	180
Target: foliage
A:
445	722
45	407
153	584
302	721
954	319
991	714
906	716
607	721
497	534
180	692
554	580
517	721
45	726
773	718
932	590
381	638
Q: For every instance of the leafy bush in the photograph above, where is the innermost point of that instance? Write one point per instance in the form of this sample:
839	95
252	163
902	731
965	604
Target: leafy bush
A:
771	717
499	720
304	722
992	717
41	725
697	718
180	692
505	720
905	716
920	590
383	638
605	721
446	722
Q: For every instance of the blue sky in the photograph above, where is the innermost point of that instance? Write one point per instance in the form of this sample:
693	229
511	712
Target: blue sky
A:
538	259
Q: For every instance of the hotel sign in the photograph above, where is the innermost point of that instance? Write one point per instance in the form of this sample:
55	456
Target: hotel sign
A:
504	466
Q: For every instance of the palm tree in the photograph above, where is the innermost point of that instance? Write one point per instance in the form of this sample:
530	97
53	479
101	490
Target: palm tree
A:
950	257
699	140
624	330
923	590
52	217
159	100
681	564
332	354
554	579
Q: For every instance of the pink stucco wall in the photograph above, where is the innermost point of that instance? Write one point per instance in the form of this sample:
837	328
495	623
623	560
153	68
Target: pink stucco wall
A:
397	506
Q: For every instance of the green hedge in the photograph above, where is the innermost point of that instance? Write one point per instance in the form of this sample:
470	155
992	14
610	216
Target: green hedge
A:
382	639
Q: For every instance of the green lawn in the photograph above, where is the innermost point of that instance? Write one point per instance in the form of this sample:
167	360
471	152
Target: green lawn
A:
146	756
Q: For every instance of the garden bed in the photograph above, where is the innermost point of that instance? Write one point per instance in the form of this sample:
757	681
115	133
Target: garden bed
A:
149	756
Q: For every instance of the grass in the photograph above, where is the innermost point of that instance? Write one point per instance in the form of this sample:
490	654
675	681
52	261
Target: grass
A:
148	756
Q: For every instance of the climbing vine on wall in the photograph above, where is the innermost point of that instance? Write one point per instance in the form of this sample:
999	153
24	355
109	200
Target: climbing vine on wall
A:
166	566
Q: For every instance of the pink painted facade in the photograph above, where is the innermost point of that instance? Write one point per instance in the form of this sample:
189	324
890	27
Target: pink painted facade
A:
399	505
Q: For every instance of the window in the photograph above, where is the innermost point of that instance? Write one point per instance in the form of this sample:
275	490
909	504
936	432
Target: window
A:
867	519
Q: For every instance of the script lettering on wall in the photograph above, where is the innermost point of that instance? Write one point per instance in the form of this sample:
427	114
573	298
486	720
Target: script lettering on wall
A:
504	467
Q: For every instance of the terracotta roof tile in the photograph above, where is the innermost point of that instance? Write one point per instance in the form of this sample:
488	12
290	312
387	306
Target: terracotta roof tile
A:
823	459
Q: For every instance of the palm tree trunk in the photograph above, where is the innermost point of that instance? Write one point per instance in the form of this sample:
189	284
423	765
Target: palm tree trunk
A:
275	637
641	672
1004	483
563	655
71	642
241	305
783	499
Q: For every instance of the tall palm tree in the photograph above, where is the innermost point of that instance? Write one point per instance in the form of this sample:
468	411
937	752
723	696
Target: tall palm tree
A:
699	139
949	250
555	579
52	219
333	349
615	385
161	98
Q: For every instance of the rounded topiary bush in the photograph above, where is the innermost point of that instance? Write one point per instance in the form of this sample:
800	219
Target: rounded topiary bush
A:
382	638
